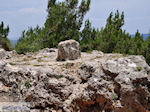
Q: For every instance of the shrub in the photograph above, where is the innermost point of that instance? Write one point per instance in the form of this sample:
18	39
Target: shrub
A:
27	84
139	69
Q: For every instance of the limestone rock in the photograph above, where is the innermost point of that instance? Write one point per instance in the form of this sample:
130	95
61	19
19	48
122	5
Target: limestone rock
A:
47	50
2	53
68	50
97	82
6	54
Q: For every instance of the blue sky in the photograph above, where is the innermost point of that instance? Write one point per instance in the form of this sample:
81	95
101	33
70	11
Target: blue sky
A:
21	14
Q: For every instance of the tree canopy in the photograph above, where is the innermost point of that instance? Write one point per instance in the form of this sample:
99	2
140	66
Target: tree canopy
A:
4	41
64	21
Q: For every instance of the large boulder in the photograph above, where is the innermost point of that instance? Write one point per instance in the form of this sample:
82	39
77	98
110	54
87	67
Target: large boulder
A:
68	50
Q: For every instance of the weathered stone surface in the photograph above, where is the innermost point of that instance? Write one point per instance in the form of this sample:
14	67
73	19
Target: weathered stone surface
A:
2	53
96	82
68	50
5	54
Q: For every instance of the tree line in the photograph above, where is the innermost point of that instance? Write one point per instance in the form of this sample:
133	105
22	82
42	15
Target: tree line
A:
64	21
4	41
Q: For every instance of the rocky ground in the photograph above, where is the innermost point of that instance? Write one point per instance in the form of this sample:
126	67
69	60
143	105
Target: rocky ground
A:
96	82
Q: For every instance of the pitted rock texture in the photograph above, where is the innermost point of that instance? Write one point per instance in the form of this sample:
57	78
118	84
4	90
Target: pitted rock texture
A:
96	82
68	50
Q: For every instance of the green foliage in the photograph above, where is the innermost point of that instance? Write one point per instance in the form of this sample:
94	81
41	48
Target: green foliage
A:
139	69
3	31
112	38
64	21
45	56
37	65
30	41
39	60
27	84
114	96
138	44
112	34
4	41
146	50
46	80
12	63
58	76
87	37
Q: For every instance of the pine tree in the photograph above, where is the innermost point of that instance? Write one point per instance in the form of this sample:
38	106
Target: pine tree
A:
4	41
146	50
64	20
112	30
138	43
87	35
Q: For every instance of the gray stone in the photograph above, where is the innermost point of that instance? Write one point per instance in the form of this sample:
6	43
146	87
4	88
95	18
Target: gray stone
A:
2	53
68	50
95	82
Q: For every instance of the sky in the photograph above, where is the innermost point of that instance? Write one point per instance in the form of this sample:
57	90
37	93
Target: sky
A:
22	14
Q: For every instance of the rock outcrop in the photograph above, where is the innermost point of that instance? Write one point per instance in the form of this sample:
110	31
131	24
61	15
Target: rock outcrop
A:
96	82
5	54
68	50
2	53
